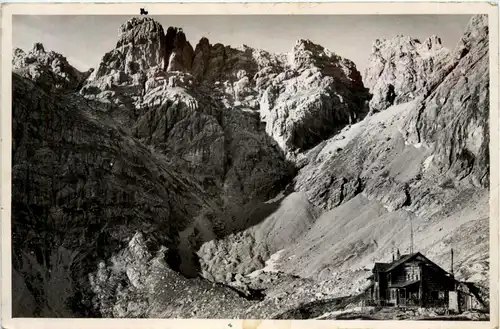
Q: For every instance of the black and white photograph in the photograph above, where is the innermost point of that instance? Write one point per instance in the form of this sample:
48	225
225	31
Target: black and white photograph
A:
232	166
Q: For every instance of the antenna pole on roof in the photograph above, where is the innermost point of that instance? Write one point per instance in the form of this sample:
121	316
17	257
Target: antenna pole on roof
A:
411	235
451	261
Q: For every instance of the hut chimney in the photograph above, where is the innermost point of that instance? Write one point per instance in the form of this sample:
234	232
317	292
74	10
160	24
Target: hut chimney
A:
398	255
393	257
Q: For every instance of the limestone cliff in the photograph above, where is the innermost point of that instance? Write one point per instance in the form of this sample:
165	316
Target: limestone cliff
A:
400	69
49	69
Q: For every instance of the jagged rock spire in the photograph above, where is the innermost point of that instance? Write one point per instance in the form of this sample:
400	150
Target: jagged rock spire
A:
38	48
140	46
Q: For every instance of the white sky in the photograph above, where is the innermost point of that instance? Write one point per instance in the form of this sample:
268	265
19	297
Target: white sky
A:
85	39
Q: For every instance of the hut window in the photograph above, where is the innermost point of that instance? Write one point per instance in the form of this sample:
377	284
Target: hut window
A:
441	295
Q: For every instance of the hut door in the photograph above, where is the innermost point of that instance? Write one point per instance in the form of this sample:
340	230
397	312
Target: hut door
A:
402	296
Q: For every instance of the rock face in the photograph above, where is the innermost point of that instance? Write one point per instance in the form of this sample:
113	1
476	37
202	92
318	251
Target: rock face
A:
320	93
155	290
453	119
76	194
171	180
179	52
140	46
399	69
47	68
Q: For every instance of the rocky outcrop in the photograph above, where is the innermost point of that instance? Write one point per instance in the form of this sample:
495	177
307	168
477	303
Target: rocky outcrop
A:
223	64
400	69
225	148
49	69
80	185
140	46
318	95
453	119
123	71
140	284
179	52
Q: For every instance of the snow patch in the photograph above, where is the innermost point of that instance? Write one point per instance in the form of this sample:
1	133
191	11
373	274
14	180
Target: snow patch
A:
416	145
271	265
427	162
388	208
474	138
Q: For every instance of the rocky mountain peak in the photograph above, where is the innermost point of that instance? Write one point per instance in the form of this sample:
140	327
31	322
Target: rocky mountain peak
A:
178	51
400	68
18	58
139	30
48	68
141	46
306	53
204	42
304	44
38	48
433	42
475	33
18	52
403	68
459	93
331	95
478	26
